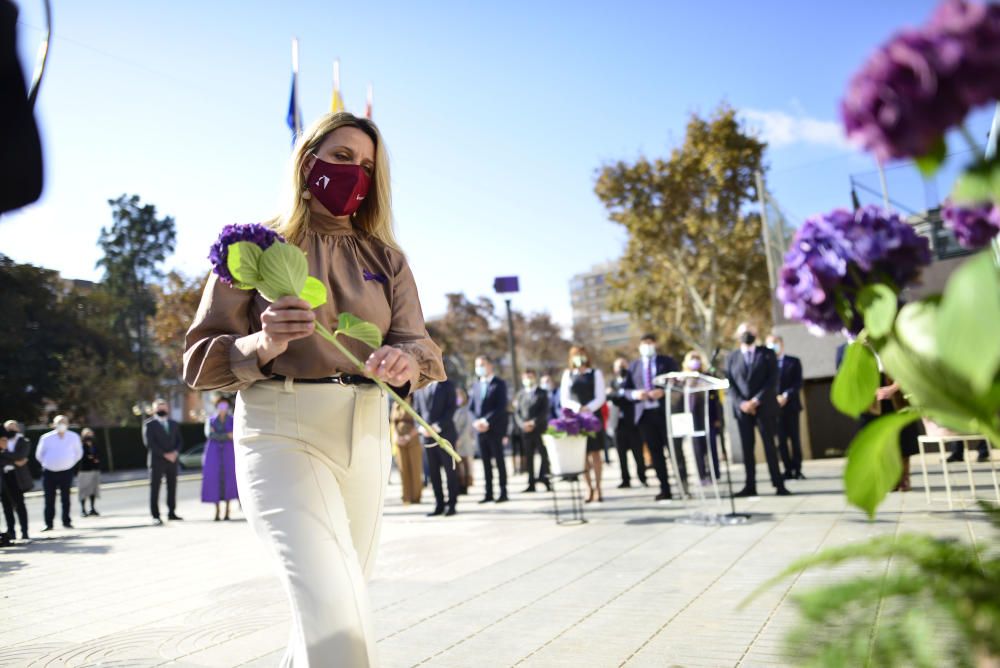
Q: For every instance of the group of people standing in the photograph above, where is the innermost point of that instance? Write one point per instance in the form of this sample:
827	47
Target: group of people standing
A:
764	384
67	457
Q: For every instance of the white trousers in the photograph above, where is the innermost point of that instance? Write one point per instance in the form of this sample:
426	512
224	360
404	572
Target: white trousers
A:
312	465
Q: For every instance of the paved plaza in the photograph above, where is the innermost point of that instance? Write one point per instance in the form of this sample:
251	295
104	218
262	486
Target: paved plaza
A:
496	585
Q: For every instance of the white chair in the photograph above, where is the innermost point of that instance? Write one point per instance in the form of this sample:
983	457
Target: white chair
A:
942	440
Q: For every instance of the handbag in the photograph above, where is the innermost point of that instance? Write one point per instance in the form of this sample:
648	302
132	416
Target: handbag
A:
24	479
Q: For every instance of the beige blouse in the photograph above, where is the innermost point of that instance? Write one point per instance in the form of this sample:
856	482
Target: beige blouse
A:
362	275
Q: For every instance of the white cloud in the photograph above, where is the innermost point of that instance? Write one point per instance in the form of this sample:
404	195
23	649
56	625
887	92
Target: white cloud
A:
780	128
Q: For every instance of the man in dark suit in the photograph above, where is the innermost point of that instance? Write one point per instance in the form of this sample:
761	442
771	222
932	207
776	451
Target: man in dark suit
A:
162	437
436	405
789	408
16	478
531	418
488	405
627	438
649	404
752	371
552	389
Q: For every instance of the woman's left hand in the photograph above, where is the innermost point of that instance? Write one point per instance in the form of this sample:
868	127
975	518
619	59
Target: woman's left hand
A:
392	366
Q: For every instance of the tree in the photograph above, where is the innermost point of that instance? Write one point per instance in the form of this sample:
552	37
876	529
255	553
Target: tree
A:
694	265
32	333
177	300
134	246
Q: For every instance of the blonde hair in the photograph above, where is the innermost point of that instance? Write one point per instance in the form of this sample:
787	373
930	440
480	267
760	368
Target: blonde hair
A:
375	215
690	355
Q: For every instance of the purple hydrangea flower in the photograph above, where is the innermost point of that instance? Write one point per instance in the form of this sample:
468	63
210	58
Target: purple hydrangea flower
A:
924	81
834	255
254	232
573	424
974	226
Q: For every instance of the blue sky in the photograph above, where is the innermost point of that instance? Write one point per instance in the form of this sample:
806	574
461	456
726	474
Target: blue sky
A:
496	115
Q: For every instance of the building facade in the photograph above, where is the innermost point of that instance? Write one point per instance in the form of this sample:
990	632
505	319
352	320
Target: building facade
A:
594	323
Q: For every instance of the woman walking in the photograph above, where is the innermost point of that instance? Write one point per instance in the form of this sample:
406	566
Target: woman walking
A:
218	472
311	435
583	391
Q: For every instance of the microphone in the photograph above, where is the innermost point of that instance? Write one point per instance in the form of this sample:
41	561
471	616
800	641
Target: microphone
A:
711	363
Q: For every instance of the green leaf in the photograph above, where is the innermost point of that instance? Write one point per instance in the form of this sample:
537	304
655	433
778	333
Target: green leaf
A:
980	183
874	463
356	328
283	271
878	303
242	260
857	380
968	323
313	292
931	162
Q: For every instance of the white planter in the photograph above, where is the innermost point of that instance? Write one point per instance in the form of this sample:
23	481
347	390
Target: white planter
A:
567	455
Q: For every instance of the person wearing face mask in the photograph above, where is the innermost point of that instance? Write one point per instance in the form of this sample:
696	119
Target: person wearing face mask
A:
311	432
789	408
162	438
649	402
465	441
583	390
703	448
218	470
58	452
489	410
752	371
88	480
531	419
627	437
16	478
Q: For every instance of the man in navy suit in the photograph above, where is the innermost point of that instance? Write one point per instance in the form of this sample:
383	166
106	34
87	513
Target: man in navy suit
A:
752	371
649	403
488	405
789	407
436	405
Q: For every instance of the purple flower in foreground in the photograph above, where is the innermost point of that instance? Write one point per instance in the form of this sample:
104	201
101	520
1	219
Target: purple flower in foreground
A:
974	226
922	82
836	254
254	232
904	98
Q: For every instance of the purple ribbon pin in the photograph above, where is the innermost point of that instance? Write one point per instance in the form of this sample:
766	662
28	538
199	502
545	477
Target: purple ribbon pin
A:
369	276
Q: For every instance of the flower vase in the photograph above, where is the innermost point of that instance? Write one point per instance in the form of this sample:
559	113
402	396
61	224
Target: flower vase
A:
567	454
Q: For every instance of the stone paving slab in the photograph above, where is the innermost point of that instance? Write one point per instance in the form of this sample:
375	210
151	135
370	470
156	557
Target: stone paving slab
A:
497	585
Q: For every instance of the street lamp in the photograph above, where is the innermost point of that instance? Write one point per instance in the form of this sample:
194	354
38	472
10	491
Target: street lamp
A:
508	285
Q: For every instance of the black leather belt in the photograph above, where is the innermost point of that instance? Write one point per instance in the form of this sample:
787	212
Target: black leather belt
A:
343	379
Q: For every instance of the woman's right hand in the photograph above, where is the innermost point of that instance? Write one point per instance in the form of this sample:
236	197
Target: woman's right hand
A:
285	320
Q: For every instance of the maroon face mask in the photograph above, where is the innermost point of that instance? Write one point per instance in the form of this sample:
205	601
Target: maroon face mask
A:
340	188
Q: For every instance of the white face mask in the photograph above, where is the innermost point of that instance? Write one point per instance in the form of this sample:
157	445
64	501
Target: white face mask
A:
480	371
529	384
61	428
647	349
578	361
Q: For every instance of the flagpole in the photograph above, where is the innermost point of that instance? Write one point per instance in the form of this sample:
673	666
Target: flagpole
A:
368	105
295	85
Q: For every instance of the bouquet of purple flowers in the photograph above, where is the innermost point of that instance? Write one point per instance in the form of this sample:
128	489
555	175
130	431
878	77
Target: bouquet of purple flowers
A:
570	423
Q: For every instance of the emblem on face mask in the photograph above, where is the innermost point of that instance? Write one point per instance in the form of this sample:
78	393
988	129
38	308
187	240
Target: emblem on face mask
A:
323	181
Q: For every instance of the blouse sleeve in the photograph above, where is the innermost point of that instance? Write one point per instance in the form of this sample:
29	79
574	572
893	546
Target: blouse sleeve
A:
565	396
220	351
407	330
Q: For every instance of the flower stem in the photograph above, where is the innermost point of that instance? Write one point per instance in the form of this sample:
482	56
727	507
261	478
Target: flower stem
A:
441	441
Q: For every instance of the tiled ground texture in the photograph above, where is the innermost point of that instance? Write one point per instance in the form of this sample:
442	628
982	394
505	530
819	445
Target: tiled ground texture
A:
493	586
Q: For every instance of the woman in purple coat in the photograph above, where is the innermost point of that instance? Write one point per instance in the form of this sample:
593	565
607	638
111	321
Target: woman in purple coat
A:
218	480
